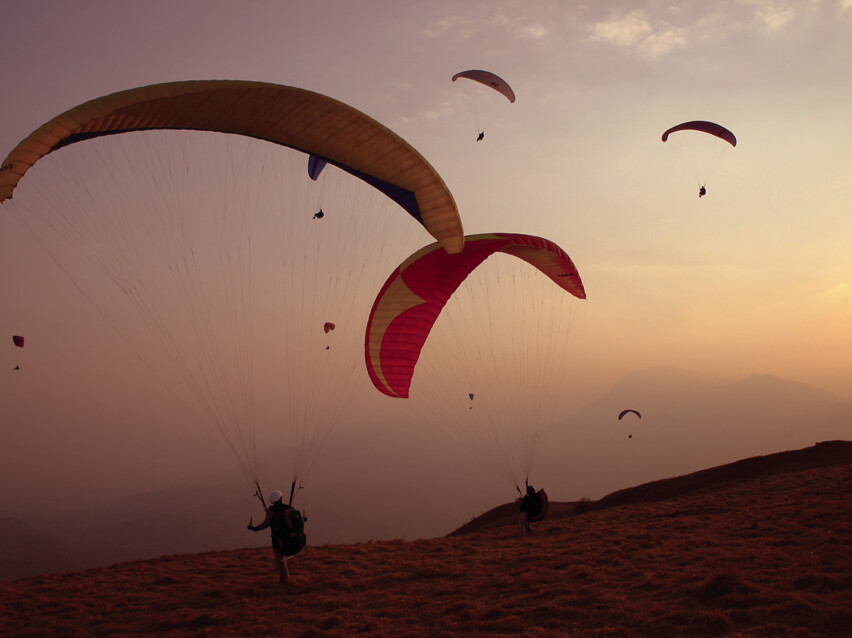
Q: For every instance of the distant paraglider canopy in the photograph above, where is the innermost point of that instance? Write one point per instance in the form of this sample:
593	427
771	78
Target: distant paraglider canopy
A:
623	413
19	342
700	144
488	79
704	127
477	97
315	166
328	327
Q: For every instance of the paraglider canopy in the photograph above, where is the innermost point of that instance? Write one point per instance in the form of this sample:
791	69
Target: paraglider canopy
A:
710	128
413	296
18	340
296	118
328	327
488	79
315	166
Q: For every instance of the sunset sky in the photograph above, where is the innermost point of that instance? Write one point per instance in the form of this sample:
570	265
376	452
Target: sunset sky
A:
754	278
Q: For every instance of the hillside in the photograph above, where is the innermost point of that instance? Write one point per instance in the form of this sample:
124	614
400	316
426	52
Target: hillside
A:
823	454
762	552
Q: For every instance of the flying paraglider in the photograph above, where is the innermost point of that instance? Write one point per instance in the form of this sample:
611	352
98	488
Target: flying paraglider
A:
491	80
623	413
703	143
495	319
328	327
19	342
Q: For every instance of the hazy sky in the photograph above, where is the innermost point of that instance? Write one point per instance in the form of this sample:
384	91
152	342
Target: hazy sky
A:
756	277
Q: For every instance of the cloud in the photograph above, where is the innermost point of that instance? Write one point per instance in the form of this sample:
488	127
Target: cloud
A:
658	44
772	14
624	31
443	26
635	30
463	27
442	110
537	31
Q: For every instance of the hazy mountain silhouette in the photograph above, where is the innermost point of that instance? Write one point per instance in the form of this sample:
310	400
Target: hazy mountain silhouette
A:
422	486
419	487
25	551
688	420
823	454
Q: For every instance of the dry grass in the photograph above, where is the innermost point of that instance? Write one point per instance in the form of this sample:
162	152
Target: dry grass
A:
764	556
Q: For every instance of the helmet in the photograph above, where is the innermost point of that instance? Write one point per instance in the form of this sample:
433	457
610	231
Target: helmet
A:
275	496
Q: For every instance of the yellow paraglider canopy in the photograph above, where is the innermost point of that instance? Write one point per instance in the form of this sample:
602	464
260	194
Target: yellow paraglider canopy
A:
293	117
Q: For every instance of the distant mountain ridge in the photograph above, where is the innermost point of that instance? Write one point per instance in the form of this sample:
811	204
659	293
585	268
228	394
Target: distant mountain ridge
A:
824	454
397	481
767	556
25	551
688	420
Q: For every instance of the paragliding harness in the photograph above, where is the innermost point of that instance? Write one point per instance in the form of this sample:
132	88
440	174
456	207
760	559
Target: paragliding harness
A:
534	504
287	525
288	529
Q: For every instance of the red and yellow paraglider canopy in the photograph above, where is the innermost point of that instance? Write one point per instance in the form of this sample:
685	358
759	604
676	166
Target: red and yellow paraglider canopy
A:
414	295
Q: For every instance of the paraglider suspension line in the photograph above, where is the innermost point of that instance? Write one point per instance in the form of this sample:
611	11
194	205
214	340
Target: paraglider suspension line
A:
293	491
259	494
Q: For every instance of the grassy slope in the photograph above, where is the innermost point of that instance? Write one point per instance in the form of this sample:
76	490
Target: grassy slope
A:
763	554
